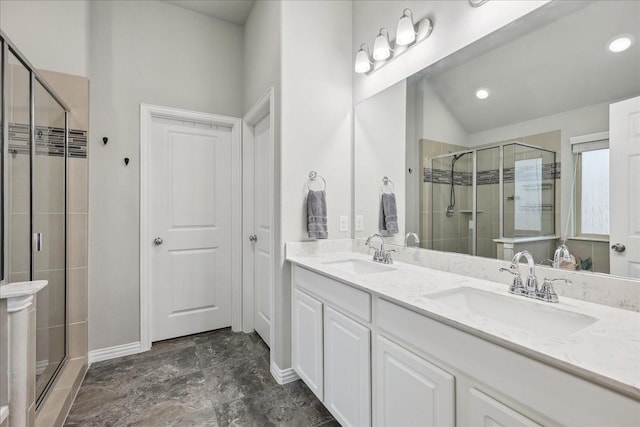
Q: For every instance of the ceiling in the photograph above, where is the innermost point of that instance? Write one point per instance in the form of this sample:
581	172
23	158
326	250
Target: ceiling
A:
558	67
234	11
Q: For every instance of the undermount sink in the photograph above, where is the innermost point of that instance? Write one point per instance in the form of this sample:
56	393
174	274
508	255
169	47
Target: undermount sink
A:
358	267
517	312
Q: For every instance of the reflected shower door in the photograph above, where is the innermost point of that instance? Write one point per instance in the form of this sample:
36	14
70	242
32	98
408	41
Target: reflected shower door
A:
49	231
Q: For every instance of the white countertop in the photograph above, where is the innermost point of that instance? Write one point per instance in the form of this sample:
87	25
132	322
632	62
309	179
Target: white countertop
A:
606	352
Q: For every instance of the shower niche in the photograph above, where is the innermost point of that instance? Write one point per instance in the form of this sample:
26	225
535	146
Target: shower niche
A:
478	201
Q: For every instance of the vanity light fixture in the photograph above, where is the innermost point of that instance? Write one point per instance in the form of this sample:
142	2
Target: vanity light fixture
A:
408	35
406	32
363	61
381	47
482	93
620	44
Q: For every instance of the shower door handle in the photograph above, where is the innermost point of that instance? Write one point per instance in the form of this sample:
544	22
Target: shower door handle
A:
37	238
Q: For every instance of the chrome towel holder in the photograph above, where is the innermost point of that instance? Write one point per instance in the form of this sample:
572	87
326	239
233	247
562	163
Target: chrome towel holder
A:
385	183
315	178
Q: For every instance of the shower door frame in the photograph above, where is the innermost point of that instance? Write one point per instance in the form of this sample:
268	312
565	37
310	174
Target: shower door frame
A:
9	48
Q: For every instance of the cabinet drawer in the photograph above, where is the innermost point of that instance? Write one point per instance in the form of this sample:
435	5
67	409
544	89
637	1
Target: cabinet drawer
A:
338	294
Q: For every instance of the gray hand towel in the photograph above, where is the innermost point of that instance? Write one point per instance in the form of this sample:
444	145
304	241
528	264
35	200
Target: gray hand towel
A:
388	219
317	214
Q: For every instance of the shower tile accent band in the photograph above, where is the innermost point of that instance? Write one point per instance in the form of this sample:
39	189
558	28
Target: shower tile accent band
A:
492	176
49	141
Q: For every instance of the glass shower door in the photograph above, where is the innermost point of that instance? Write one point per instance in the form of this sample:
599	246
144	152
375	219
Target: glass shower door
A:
49	230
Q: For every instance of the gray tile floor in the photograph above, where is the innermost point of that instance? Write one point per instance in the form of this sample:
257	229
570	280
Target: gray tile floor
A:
218	378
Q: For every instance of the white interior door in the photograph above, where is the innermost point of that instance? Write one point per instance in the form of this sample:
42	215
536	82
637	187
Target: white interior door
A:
190	199
624	157
263	246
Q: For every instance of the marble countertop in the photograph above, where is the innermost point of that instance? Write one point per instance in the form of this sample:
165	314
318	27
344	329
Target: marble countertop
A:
21	289
606	352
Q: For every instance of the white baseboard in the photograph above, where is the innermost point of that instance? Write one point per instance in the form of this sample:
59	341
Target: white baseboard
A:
283	376
115	351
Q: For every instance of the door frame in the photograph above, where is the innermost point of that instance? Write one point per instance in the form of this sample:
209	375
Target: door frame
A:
147	113
264	106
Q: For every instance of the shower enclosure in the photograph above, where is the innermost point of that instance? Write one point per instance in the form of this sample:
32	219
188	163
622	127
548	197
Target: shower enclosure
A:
34	157
488	194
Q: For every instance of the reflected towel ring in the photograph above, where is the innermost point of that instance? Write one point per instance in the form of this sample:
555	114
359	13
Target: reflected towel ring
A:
313	177
386	182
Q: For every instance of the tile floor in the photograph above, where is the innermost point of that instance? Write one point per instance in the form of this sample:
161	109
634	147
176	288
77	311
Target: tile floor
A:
218	378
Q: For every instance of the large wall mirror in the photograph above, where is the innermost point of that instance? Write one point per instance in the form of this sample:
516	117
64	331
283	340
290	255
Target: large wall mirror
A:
507	143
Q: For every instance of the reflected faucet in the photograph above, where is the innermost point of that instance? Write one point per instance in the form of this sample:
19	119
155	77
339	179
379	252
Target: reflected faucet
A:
415	238
380	255
532	281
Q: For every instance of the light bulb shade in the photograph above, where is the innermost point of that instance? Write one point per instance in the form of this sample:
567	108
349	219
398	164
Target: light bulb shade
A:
406	33
381	48
363	64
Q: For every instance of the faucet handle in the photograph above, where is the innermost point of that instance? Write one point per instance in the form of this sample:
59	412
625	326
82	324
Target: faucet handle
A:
547	293
517	287
511	270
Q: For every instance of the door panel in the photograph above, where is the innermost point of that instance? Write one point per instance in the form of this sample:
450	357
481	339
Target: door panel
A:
263	258
411	391
190	198
307	354
624	146
347	373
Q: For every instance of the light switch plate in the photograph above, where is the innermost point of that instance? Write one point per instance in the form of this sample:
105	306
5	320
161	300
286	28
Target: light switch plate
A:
359	222
470	224
344	223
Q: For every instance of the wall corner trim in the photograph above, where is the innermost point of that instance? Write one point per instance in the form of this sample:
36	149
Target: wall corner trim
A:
283	376
115	351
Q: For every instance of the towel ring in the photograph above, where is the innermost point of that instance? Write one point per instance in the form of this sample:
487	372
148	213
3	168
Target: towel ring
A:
313	177
386	182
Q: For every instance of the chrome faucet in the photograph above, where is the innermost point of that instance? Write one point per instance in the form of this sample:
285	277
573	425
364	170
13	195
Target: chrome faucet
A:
532	281
380	255
546	291
415	238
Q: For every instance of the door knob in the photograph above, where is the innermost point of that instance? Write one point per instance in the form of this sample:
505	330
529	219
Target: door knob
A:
157	241
253	238
618	247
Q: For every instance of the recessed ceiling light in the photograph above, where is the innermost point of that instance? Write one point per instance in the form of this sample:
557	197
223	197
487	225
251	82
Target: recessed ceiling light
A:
620	44
482	94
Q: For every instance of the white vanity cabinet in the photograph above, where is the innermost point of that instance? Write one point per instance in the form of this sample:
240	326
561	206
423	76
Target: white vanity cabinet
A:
409	390
483	410
374	361
307	341
331	342
347	369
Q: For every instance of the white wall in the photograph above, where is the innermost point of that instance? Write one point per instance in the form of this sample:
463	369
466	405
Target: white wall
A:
53	35
456	24
142	52
316	129
262	70
379	140
262	52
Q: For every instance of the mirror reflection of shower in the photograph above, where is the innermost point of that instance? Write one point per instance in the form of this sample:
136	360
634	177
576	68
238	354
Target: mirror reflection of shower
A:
452	191
476	200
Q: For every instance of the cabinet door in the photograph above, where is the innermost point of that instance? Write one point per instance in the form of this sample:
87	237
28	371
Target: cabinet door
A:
307	340
486	411
347	375
411	391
